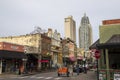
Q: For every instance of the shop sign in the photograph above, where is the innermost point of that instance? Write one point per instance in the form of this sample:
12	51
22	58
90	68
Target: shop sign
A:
117	76
12	47
102	75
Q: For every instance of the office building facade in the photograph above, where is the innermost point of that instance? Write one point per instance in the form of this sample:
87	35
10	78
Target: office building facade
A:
85	33
70	28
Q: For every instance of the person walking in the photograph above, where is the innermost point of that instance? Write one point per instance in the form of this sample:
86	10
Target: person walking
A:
31	67
77	69
71	70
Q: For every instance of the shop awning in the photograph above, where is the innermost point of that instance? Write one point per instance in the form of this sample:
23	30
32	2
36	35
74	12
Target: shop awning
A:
11	54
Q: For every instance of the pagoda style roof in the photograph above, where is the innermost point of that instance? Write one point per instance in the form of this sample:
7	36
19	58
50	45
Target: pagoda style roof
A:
113	42
94	45
114	39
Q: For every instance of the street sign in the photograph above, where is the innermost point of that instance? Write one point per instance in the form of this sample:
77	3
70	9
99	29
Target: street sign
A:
97	54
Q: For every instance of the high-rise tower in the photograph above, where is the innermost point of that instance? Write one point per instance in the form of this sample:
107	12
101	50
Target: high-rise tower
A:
70	28
85	33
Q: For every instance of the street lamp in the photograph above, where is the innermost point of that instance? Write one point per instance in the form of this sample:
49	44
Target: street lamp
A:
84	62
97	56
64	49
24	62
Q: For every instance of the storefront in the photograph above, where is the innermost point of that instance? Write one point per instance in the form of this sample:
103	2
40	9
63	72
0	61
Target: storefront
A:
45	62
110	58
109	47
12	58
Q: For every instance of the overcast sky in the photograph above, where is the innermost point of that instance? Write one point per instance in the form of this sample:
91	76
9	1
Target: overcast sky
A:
19	17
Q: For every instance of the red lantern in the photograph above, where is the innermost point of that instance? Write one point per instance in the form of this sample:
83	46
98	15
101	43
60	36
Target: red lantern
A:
97	54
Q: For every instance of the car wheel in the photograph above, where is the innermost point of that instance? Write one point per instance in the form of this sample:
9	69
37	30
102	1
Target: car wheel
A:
58	74
67	74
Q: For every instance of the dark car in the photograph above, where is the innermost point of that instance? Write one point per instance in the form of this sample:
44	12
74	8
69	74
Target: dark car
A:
75	69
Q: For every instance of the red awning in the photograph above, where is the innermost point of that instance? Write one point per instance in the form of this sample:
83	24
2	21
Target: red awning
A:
43	61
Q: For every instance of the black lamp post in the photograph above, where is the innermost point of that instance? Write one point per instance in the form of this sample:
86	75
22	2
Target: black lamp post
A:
84	62
24	62
64	49
97	56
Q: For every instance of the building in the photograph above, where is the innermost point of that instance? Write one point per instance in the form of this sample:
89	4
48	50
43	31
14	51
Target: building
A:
32	46
69	51
70	28
46	56
109	48
55	47
85	33
12	58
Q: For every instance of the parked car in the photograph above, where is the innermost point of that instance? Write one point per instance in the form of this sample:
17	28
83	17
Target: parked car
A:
63	71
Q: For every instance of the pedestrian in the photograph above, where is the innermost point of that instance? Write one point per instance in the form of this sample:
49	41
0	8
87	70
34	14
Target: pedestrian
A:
86	67
31	67
77	69
71	69
56	66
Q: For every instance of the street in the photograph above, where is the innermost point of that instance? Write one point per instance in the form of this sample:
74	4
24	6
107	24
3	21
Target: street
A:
51	76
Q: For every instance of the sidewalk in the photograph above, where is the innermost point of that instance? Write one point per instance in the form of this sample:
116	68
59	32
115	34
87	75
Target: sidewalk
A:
91	75
7	75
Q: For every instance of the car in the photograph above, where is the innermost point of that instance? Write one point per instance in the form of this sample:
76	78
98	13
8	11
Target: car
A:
63	71
75	69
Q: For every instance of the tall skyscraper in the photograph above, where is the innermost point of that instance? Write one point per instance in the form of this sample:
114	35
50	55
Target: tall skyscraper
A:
70	28
85	33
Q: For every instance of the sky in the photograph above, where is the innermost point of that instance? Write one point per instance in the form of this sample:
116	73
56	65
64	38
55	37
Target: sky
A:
19	17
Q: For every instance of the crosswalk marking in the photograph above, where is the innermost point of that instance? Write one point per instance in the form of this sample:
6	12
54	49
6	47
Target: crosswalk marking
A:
48	77
39	77
22	77
36	77
33	77
57	78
